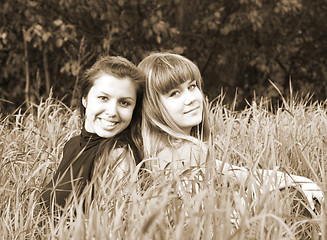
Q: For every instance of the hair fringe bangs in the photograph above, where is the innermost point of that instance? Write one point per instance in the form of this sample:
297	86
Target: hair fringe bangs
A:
169	76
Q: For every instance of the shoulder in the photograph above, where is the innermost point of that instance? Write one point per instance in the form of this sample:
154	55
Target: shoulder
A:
72	143
118	163
183	154
70	149
190	148
72	146
118	153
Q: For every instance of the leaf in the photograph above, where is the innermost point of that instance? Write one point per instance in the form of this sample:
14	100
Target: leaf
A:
226	29
121	3
57	22
74	68
144	23
27	13
65	68
59	42
158	38
27	36
94	14
45	36
148	34
32	3
179	50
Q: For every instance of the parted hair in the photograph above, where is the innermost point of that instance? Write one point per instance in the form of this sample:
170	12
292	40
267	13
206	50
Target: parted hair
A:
120	68
165	71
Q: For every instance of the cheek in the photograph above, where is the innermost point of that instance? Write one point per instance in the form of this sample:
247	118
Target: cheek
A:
126	114
174	110
92	109
87	111
199	95
171	106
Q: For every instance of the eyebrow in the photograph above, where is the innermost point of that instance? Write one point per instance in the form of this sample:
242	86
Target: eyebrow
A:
104	93
128	98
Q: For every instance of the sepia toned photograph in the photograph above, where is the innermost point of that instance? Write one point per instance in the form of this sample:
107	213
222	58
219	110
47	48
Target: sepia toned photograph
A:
163	119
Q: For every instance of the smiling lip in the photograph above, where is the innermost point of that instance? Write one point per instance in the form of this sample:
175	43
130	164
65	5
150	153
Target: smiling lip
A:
192	110
108	123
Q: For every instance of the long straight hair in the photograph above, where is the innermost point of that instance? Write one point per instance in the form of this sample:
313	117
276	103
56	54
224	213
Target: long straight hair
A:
166	71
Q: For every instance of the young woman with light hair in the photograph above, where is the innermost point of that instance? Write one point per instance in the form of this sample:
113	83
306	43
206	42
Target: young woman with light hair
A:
175	125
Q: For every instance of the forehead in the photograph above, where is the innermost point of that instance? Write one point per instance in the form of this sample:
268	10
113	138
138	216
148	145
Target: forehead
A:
185	84
168	78
117	87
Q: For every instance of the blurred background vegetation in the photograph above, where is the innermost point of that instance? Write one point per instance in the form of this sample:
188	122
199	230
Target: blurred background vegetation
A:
238	44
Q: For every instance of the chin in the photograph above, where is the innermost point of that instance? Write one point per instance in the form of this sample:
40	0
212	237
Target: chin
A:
104	134
198	121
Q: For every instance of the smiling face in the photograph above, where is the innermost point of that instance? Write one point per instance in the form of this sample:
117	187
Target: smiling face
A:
109	105
184	104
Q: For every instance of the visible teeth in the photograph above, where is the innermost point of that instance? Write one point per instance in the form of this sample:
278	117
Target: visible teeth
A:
107	122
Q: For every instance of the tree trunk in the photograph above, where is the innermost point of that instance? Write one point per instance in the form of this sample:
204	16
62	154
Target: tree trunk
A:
180	6
27	70
46	70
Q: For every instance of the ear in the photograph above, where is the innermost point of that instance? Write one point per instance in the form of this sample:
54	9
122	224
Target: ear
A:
84	102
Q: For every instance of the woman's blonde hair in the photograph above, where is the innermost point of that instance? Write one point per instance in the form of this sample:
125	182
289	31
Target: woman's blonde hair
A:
165	71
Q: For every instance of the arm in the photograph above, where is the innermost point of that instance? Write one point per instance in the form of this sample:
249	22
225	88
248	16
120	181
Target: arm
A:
276	179
192	155
65	177
180	156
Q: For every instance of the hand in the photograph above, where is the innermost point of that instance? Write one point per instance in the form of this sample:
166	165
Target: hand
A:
311	190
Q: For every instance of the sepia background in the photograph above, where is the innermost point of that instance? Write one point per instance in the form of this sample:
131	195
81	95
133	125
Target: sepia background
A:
239	45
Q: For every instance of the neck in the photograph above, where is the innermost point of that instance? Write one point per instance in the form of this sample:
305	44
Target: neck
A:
187	131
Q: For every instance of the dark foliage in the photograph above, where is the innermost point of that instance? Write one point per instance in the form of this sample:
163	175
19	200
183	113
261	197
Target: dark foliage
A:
237	44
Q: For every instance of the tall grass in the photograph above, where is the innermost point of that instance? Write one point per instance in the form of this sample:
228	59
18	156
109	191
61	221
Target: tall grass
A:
184	206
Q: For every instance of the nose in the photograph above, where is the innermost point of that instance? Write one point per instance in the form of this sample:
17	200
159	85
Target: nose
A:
189	97
111	108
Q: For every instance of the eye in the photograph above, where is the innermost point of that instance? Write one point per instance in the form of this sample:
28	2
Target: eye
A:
103	98
193	85
174	93
124	103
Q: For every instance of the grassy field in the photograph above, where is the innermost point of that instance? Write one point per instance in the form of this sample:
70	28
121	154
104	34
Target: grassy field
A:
207	205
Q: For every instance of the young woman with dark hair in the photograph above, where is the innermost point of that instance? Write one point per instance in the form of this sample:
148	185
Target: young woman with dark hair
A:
111	106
